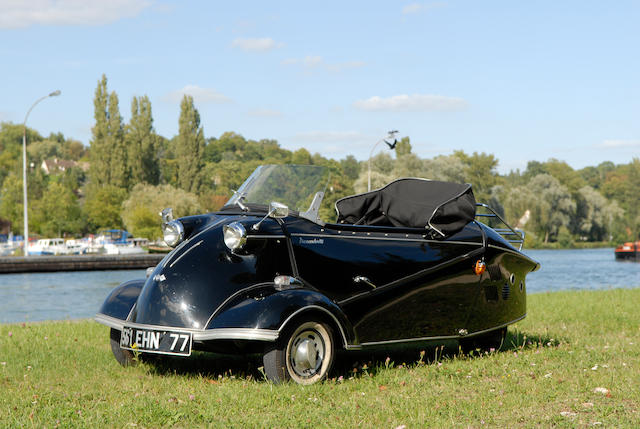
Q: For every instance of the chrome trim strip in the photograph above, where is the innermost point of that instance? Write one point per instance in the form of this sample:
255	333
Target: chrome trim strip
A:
175	261
237	334
421	240
316	307
496	327
109	321
198	334
266	236
442	337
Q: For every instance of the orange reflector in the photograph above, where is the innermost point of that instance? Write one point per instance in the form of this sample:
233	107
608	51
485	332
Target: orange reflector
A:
480	267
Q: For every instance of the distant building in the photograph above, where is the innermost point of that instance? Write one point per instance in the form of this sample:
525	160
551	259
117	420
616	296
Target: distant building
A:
55	165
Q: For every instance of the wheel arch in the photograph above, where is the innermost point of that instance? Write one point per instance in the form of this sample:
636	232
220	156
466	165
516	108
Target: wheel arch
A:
320	314
121	300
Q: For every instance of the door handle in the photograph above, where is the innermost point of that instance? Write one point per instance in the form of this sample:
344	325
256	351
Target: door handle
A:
363	279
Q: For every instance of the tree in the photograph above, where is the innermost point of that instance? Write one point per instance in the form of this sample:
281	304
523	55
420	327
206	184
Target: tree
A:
100	155
141	142
119	168
102	206
108	154
58	212
11	207
403	147
189	147
596	214
140	212
479	171
556	206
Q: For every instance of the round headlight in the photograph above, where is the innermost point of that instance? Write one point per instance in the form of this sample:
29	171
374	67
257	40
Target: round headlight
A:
235	236
173	233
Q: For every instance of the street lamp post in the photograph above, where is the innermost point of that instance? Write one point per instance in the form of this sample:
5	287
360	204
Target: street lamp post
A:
390	135
24	169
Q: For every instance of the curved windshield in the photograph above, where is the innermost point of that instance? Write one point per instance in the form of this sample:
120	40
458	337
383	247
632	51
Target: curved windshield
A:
292	185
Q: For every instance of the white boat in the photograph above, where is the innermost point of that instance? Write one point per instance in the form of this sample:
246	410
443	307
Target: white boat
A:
8	248
116	242
48	246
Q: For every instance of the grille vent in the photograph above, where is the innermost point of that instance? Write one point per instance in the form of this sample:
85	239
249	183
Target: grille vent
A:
506	290
494	272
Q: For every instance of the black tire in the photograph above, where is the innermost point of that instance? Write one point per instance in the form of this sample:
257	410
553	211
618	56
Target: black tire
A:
303	354
123	356
491	341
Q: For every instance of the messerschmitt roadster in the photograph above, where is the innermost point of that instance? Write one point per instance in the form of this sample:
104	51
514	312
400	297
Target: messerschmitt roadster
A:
407	262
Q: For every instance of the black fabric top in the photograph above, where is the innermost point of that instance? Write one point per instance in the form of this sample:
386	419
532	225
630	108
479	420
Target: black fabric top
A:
443	207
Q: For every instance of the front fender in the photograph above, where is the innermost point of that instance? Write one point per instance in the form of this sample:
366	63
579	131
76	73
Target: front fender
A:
121	300
269	309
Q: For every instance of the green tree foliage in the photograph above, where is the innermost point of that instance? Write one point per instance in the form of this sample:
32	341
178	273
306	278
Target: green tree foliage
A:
108	154
100	155
189	147
118	168
403	147
58	212
596	214
140	212
480	171
141	142
556	208
102	206
11	207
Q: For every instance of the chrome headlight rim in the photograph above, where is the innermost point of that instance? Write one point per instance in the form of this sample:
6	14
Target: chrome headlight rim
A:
235	236
173	233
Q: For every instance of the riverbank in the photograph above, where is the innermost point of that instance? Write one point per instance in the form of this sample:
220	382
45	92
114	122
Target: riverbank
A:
33	264
574	361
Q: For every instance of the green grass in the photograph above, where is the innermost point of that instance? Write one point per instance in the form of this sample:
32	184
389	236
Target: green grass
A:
63	374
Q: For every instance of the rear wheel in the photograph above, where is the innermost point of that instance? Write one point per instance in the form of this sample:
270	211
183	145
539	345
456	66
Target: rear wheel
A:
304	354
123	356
491	341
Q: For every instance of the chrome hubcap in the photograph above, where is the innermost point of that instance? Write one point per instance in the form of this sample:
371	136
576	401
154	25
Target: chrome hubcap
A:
307	353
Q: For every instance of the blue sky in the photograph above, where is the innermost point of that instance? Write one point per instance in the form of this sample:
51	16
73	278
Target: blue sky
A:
521	80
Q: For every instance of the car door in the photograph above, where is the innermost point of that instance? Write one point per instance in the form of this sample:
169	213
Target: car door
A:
392	283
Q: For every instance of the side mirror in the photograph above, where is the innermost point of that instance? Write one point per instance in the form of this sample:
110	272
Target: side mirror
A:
278	210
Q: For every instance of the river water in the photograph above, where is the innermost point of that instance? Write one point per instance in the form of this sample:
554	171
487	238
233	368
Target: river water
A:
74	295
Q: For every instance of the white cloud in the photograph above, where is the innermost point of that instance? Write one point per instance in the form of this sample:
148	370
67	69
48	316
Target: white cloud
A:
331	137
311	62
264	44
19	13
412	8
617	144
333	143
412	103
265	113
416	8
200	95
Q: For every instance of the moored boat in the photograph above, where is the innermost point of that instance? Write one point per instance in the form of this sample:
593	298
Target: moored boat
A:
629	251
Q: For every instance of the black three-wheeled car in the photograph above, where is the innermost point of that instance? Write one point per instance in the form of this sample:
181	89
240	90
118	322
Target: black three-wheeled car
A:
407	262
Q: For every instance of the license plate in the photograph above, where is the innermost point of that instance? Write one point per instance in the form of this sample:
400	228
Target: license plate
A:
156	341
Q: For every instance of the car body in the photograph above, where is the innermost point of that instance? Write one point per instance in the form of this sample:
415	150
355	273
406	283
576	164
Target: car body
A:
407	262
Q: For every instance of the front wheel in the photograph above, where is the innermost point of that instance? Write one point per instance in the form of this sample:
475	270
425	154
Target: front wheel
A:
123	356
304	354
491	341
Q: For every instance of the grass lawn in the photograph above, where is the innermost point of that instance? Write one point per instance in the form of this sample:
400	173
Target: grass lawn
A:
573	362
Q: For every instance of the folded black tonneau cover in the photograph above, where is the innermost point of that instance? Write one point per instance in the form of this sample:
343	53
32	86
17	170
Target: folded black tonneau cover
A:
443	207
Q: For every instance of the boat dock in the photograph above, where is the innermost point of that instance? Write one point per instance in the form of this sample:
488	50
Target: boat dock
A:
32	264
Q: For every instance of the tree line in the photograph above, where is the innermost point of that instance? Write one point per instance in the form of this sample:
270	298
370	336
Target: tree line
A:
129	173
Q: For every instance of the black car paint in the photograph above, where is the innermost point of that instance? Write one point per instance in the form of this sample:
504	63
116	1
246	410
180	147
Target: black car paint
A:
425	288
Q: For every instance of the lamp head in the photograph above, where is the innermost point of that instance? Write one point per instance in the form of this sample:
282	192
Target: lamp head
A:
55	93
